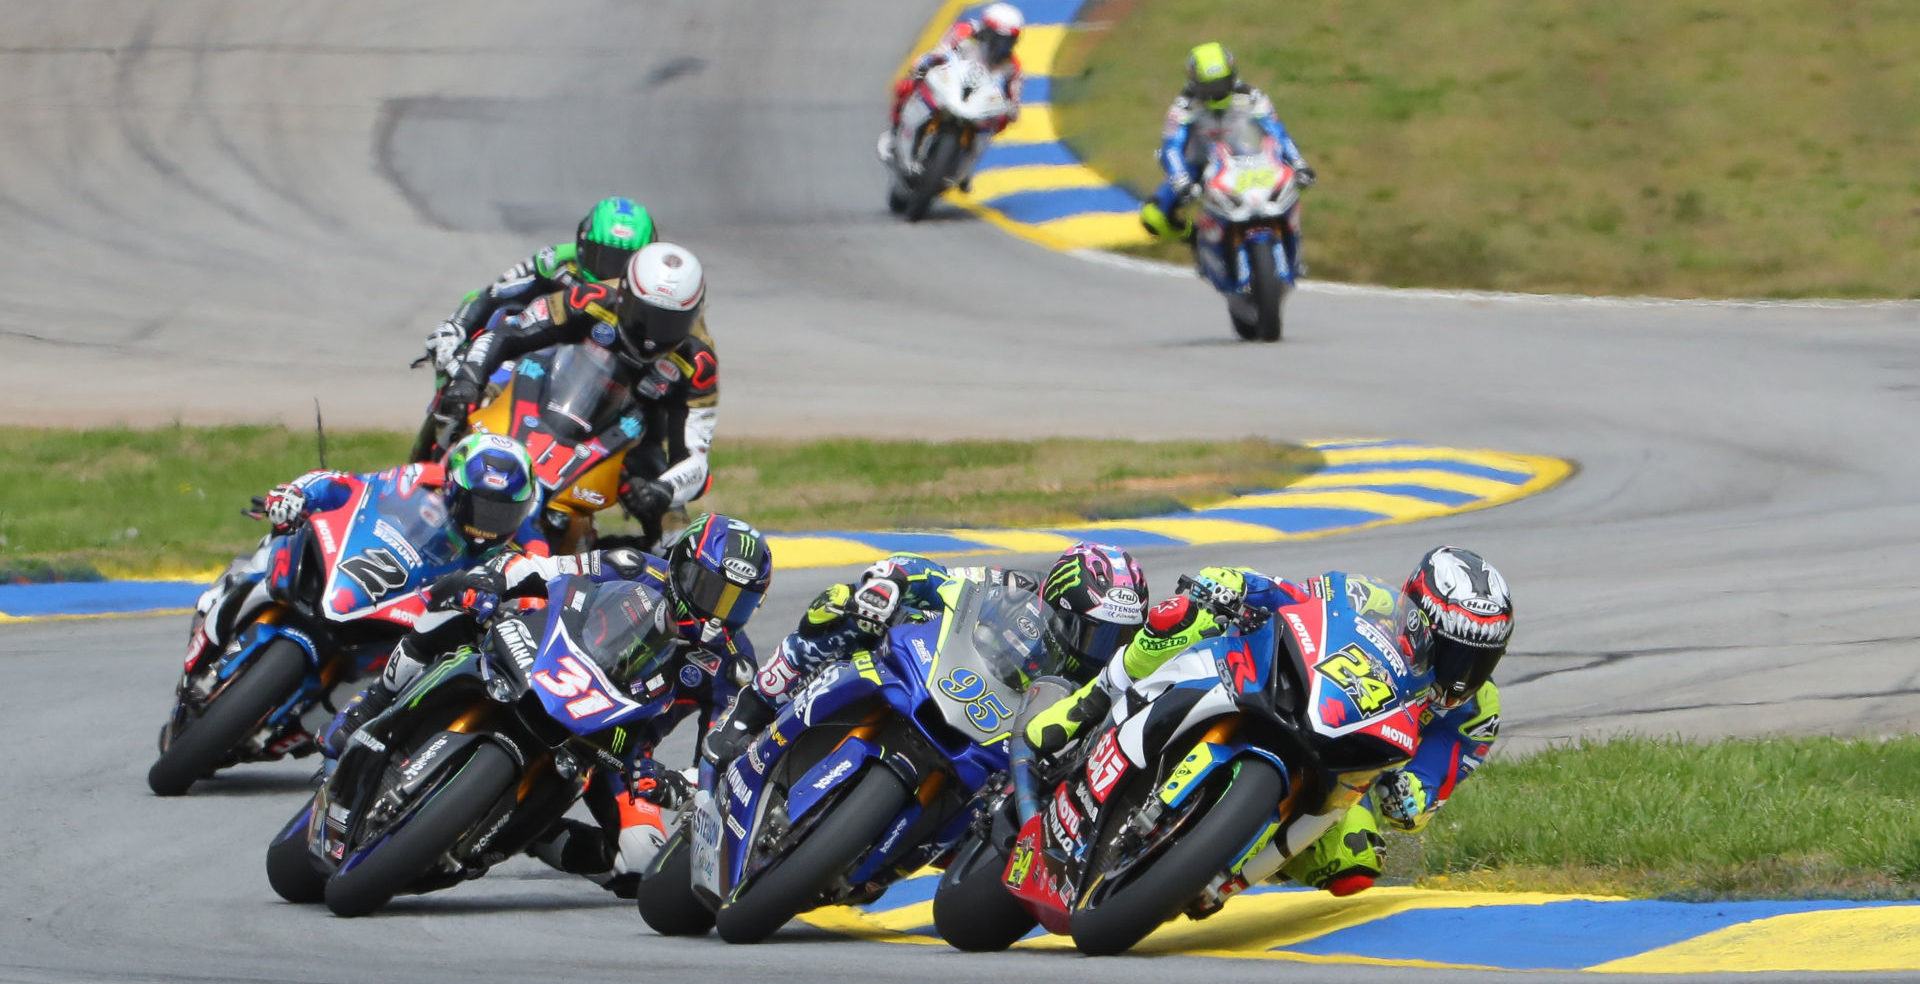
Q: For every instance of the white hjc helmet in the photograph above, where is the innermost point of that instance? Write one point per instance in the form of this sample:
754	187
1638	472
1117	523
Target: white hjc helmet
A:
663	295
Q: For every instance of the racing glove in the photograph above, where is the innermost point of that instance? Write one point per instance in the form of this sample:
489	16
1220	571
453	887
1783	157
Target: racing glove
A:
1303	176
457	397
659	380
442	343
476	592
646	498
285	507
1400	797
874	605
665	788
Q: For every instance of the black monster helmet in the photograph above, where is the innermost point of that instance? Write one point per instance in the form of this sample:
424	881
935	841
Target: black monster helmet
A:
1467	603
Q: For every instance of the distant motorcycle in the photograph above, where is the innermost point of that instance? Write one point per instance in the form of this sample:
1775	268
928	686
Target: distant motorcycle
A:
335	594
1247	196
484	752
939	137
868	775
1211	773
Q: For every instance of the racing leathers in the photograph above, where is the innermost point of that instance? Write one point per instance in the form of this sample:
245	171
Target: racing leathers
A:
1345	859
289	506
626	807
1191	128
551	269
678	395
958	42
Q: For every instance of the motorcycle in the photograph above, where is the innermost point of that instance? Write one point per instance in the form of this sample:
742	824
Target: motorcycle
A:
484	752
1212	772
866	776
1248	198
941	132
317	605
566	404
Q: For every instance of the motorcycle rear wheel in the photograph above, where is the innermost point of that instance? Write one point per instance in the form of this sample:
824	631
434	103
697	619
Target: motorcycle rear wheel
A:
1159	893
972	909
786	889
291	869
235	713
941	161
422	839
667	900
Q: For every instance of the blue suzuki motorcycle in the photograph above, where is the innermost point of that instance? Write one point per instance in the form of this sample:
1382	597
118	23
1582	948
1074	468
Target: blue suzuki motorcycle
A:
315	606
1248	198
485	751
866	776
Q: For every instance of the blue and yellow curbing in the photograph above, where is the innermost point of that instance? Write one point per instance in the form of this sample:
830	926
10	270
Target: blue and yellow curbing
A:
1414	928
1363	484
1029	183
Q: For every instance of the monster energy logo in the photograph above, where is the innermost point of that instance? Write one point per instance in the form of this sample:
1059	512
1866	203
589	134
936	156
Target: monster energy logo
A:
1062	581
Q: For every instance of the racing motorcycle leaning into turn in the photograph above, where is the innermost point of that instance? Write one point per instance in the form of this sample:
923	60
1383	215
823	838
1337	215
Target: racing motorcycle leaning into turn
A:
942	131
1248	202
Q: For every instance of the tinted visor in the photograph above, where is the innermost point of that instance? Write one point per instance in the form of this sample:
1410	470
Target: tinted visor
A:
600	261
1087	637
655	331
1460	670
999	47
711	595
1213	92
486	517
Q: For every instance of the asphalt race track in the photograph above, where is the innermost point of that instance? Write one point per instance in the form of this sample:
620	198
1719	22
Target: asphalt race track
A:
217	211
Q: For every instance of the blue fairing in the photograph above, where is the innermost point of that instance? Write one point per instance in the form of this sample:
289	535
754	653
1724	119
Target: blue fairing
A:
399	540
571	686
1230	272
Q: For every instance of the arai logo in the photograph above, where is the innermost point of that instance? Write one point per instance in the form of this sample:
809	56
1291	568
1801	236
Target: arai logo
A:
1123	597
739	569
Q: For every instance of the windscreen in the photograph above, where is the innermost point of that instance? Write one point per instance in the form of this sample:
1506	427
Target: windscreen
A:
625	631
583	391
420	520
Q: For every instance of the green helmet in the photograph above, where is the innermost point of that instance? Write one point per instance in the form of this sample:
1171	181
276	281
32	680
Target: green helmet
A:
608	237
490	489
1210	74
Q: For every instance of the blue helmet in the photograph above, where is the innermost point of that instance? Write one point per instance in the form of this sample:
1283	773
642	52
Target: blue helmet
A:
490	490
719	570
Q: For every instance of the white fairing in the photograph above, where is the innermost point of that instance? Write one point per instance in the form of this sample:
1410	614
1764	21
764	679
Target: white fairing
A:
961	87
1246	187
1190	665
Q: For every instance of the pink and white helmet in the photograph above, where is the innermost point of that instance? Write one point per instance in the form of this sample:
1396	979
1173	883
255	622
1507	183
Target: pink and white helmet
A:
661	298
1096	599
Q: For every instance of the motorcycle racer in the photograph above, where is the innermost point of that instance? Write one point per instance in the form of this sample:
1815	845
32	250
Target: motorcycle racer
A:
605	239
653	320
1095	597
713	578
1469	619
1214	97
988	38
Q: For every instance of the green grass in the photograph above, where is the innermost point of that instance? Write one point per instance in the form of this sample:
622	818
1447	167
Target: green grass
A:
1753	148
168	501
1782	817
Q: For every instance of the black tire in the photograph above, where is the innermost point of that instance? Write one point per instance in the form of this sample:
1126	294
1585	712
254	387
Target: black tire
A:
896	199
291	869
205	742
972	909
667	901
1267	290
1172	880
933	178
1249	331
784	890
435	826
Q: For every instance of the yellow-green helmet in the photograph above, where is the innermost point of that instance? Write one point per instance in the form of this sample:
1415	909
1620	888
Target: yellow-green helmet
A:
1210	74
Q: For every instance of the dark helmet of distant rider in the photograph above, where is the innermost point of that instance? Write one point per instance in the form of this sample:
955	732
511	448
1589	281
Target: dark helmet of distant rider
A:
490	490
609	236
1211	75
1471	612
662	298
718	571
1096	598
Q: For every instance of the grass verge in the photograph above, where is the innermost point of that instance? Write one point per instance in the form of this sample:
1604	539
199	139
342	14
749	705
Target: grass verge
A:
1751	148
1774	818
167	501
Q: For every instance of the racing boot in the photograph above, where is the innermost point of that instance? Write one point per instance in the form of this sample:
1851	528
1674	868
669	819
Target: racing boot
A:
577	848
1345	860
736	729
1053	728
885	147
365	706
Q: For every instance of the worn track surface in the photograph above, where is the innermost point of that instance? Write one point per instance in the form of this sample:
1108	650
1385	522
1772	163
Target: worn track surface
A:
216	211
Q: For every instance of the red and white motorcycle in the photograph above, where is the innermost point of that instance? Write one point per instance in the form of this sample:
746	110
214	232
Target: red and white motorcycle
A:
943	128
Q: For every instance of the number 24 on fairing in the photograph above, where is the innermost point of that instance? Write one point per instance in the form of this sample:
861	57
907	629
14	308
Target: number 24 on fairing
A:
983	709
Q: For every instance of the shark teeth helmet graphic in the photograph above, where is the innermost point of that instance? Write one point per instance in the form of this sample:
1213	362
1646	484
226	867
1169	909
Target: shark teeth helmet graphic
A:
1467	602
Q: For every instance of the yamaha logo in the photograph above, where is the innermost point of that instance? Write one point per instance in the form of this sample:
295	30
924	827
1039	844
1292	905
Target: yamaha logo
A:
1481	606
740	569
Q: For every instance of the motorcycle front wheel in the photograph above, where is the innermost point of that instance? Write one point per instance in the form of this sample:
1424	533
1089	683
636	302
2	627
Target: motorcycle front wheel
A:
972	909
1268	290
1124	916
793	882
236	711
667	900
941	161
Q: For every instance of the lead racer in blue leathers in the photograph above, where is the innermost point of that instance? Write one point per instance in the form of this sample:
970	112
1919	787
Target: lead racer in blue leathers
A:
1213	99
713	577
1467	605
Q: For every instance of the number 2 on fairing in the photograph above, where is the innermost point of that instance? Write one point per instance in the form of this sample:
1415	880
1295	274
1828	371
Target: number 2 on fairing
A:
983	709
